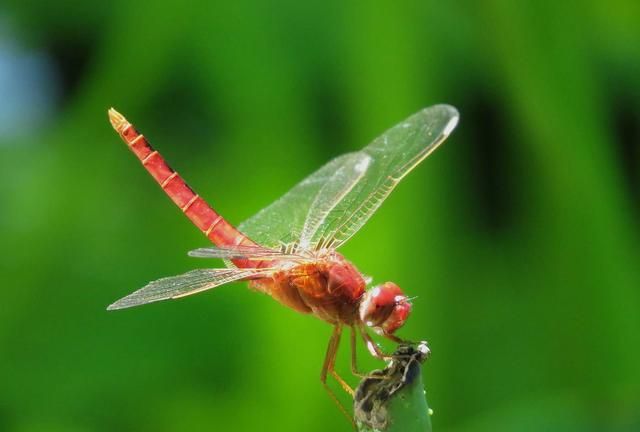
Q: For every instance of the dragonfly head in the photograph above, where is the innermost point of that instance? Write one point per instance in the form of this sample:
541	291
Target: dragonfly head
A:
385	308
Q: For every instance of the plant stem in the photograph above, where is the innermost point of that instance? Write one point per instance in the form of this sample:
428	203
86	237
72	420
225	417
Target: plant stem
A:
393	400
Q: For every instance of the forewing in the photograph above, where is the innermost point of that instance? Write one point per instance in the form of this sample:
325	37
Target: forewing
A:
329	206
334	190
393	155
283	221
183	285
250	253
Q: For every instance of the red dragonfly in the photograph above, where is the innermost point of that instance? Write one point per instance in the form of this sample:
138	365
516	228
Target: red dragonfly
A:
289	249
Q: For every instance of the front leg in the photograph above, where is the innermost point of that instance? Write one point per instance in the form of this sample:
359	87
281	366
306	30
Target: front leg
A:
424	345
377	352
372	346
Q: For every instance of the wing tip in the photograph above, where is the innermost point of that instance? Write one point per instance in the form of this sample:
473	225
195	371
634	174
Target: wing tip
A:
124	303
451	125
116	306
446	111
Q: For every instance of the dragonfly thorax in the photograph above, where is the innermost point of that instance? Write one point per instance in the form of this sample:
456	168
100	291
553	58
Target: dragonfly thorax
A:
330	289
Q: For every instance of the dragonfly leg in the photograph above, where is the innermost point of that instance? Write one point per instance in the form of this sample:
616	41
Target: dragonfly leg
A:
354	365
398	340
328	368
372	346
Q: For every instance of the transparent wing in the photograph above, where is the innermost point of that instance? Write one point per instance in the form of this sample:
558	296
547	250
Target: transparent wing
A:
183	285
332	204
251	253
283	221
335	189
394	154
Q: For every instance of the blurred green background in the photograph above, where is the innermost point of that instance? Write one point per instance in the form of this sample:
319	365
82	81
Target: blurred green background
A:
520	236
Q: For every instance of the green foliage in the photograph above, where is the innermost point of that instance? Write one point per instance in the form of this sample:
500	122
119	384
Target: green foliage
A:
519	236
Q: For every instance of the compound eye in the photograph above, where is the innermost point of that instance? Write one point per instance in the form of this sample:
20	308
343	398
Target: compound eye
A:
379	306
397	317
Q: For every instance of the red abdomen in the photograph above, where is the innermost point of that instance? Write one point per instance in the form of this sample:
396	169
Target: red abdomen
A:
212	224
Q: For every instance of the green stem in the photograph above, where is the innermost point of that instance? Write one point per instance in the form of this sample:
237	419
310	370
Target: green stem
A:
393	400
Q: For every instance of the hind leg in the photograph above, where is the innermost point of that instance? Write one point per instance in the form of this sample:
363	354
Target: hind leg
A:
328	368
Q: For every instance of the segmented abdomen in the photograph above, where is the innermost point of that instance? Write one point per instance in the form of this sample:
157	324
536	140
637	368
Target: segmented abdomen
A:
213	225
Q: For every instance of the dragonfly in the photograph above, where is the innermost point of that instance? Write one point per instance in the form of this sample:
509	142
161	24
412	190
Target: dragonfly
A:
288	250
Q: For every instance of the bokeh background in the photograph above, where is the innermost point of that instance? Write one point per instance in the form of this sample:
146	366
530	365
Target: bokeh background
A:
520	236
